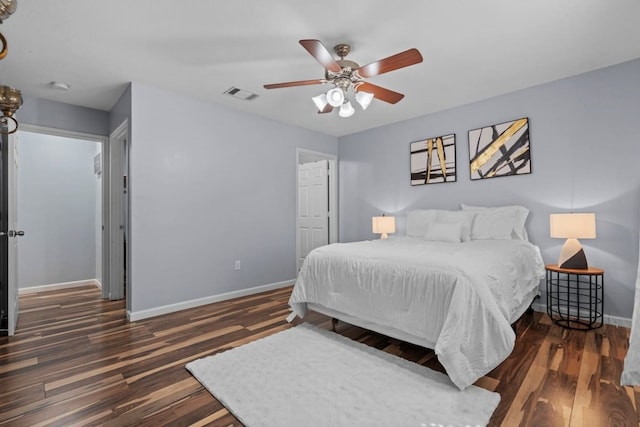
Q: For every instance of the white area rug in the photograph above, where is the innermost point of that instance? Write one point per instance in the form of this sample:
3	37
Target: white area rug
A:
307	376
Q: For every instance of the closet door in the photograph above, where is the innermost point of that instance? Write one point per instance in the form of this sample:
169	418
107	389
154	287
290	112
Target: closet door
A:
313	207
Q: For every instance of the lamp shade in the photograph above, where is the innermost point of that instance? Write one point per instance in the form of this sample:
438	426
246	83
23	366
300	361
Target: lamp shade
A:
320	101
383	225
364	99
335	97
346	110
573	225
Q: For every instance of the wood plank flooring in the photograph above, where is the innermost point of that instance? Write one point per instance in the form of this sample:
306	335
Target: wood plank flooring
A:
75	360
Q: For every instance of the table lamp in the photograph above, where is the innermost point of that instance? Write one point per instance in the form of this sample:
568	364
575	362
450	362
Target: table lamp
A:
573	226
383	225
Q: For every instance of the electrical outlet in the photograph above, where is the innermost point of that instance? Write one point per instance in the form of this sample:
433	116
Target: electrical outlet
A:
237	266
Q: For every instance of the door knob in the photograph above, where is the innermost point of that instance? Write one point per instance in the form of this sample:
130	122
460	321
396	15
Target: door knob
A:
20	233
13	233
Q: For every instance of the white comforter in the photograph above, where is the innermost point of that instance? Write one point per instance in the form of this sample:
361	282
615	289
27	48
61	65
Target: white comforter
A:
457	298
631	372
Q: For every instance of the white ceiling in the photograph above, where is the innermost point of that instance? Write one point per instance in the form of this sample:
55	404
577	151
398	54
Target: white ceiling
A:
472	50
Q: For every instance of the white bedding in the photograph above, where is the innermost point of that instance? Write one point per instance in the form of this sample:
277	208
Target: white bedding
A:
457	298
631	372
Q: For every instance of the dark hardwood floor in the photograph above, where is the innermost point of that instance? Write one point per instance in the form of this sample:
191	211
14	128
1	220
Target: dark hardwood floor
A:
75	360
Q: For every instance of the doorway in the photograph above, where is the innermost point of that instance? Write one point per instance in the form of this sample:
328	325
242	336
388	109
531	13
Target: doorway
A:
316	202
117	250
58	191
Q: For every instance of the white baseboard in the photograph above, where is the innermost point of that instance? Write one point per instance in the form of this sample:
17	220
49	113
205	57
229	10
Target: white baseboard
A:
617	321
607	318
56	286
133	316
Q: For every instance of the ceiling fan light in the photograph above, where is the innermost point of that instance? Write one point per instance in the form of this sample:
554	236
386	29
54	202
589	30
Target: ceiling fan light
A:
364	99
320	101
346	110
335	97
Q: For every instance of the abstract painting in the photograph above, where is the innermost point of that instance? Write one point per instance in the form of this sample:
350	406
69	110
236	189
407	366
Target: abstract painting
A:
500	150
433	160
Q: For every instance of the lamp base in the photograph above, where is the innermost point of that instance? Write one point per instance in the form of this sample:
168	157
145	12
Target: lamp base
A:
383	236
572	256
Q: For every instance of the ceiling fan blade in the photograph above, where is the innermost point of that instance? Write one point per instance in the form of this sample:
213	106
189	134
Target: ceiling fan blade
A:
327	109
292	84
380	93
394	62
322	55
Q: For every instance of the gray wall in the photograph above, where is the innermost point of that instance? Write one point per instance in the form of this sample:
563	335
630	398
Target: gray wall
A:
209	185
57	115
57	197
585	149
218	185
121	111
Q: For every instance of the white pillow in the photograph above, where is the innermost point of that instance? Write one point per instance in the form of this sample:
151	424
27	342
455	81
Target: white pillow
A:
418	220
492	225
519	213
444	232
465	219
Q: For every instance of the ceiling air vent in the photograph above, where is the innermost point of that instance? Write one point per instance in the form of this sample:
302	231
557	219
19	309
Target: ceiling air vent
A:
245	95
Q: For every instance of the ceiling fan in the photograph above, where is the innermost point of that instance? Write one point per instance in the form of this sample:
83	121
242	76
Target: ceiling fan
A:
348	78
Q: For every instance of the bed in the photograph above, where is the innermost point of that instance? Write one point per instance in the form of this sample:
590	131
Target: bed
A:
455	283
631	371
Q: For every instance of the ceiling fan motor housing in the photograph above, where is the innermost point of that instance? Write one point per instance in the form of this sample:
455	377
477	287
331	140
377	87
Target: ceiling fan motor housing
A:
342	50
347	72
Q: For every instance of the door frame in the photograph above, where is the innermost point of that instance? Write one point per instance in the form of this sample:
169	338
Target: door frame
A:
4	238
104	149
304	155
118	155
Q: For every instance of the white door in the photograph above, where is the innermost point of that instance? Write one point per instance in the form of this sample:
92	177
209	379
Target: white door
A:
13	233
313	207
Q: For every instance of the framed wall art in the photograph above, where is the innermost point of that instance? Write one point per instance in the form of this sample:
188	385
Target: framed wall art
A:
433	160
500	150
